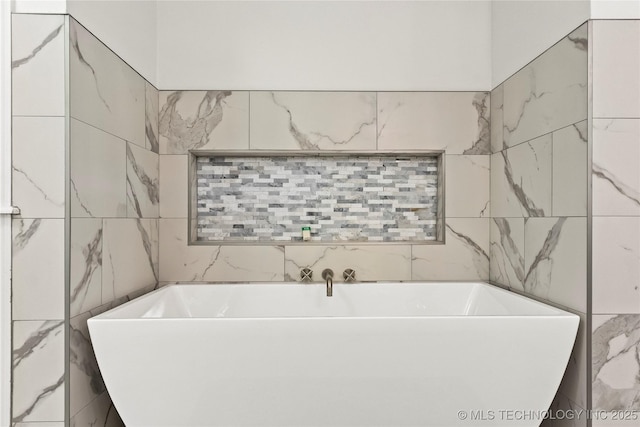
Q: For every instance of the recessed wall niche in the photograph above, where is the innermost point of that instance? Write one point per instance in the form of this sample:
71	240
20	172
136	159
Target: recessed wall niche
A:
242	197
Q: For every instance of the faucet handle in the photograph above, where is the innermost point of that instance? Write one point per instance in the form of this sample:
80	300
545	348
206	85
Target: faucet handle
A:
306	274
349	275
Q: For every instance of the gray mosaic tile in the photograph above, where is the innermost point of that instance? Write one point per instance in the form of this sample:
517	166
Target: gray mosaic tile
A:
372	198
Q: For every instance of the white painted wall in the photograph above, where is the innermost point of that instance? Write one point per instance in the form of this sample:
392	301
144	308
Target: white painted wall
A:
615	9
128	27
522	30
323	45
39	6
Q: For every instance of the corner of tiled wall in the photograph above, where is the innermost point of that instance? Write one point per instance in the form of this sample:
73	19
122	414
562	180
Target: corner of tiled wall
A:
115	205
539	190
38	175
616	221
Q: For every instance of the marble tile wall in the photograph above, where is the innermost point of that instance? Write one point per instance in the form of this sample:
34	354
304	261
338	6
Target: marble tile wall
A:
616	219
115	194
38	281
538	231
454	122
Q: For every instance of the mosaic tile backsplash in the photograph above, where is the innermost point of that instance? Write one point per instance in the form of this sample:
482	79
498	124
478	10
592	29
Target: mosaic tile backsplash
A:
366	198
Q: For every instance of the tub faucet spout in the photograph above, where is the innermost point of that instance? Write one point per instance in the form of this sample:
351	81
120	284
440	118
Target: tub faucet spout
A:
327	274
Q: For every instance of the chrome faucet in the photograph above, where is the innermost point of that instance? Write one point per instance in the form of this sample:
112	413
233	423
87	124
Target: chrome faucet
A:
327	274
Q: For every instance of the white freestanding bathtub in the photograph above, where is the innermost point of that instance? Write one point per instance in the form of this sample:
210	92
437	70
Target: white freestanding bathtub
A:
375	354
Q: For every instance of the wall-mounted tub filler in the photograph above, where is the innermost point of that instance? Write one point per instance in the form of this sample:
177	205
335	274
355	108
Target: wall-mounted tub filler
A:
327	276
383	354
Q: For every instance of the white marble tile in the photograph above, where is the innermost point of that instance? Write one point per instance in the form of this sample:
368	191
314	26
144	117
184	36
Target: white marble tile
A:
173	186
570	171
207	120
467	181
104	91
616	265
129	256
37	65
86	264
507	252
391	262
98	172
85	380
497	96
457	122
521	179
616	67
616	175
151	117
575	380
464	256
38	164
181	262
100	412
38	269
556	260
38	371
549	93
142	182
313	120
615	359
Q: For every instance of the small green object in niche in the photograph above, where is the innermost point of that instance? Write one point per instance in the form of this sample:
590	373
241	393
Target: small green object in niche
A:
306	233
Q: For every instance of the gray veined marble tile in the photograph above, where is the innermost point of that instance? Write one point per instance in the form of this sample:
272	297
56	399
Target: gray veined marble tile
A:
173	186
497	95
142	182
369	262
468	186
313	120
507	252
181	262
129	256
151	117
556	260
615	369
521	179
616	66
98	172
37	65
104	91
38	371
86	264
38	161
616	265
549	93
100	412
616	176
570	170
207	120
38	269
85	380
457	122
464	256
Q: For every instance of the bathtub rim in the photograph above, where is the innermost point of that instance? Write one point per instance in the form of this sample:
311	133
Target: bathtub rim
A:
553	311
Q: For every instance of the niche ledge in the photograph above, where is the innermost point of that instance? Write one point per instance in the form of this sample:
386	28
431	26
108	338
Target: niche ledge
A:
261	197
